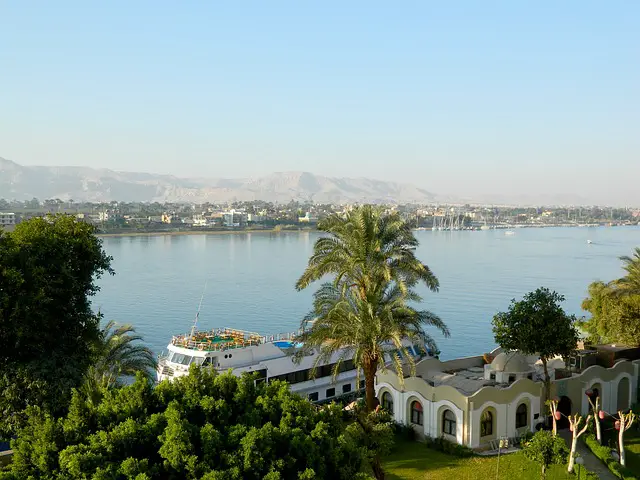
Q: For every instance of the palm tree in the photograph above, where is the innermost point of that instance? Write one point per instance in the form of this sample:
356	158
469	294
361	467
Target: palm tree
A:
371	256
367	249
363	330
118	354
630	283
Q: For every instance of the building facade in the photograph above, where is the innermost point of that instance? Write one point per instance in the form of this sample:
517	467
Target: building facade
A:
7	219
474	403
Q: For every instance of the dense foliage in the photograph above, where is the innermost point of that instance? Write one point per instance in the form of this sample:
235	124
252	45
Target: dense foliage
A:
546	449
200	426
614	318
537	324
370	256
604	454
630	283
48	268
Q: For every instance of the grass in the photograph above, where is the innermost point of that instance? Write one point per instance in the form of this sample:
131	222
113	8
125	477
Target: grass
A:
632	448
414	461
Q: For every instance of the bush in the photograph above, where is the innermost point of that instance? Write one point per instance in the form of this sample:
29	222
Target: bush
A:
406	432
446	446
604	454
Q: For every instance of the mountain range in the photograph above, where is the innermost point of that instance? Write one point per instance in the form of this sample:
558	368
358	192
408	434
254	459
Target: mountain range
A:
21	182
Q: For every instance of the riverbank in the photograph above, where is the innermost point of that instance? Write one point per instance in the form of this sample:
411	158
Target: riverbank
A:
202	232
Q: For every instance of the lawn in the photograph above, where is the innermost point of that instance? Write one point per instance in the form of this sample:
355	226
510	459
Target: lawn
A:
414	461
632	448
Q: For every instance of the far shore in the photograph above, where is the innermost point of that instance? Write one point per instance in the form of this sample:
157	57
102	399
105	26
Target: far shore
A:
202	232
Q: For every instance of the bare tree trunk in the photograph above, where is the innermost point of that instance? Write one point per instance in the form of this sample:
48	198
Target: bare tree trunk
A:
572	455
621	446
598	430
574	422
547	380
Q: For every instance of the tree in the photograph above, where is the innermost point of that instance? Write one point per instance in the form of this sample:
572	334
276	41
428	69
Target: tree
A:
367	249
574	426
118	353
630	283
615	316
200	426
363	330
546	449
537	324
48	268
622	425
371	257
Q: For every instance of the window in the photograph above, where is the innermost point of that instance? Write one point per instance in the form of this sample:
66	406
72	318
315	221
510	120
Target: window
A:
331	392
346	388
492	376
486	424
521	416
530	376
387	402
449	422
207	362
313	396
416	413
512	378
362	384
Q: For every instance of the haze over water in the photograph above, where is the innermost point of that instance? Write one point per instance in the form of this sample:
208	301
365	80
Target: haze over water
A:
250	278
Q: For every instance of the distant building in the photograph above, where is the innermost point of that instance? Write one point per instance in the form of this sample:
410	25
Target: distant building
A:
234	218
170	218
7	219
308	218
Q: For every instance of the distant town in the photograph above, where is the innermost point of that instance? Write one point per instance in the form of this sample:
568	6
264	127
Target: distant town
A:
132	217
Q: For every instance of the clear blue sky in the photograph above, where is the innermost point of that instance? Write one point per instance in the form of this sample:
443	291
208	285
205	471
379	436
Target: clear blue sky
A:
509	96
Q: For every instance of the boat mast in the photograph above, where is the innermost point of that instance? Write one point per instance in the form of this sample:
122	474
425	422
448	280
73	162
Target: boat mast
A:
195	322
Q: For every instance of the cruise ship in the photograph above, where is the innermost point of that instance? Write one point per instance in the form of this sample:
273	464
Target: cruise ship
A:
269	356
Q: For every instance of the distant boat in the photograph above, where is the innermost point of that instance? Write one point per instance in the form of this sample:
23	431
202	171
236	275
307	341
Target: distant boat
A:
589	242
509	232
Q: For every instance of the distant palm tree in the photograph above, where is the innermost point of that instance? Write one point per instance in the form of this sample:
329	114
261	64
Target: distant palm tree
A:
118	354
630	283
371	256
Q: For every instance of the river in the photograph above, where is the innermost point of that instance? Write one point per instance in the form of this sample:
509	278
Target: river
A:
250	278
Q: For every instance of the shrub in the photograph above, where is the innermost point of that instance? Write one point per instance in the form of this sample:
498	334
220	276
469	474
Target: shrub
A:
446	446
604	454
406	432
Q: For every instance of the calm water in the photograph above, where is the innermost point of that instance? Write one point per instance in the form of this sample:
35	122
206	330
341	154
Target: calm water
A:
250	278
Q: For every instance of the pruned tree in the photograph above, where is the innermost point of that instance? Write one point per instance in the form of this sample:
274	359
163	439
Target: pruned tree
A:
622	425
597	413
574	426
555	414
546	449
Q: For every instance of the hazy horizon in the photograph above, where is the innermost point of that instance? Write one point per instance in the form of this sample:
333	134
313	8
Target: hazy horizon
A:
458	99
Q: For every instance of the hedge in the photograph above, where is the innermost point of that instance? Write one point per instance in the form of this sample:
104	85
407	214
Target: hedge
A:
604	454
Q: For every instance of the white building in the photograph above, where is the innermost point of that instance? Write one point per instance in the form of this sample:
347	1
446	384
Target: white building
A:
7	219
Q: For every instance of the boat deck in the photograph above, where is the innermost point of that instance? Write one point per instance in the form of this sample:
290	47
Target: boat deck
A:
228	339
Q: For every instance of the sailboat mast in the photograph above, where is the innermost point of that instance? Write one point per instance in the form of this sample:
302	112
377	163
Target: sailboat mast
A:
195	322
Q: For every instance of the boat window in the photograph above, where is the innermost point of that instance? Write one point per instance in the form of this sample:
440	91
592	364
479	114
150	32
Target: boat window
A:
331	392
313	396
207	362
362	384
186	360
177	358
346	388
198	360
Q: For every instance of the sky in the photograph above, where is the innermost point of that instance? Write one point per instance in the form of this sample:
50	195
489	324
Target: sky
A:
468	97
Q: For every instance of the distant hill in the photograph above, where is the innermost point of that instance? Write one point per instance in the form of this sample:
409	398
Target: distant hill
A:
98	185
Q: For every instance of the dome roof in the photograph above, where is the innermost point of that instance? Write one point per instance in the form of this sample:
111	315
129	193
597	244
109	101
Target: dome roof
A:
510	362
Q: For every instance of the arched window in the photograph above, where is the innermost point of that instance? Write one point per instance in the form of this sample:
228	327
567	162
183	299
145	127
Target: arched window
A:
387	402
448	422
521	416
416	413
486	424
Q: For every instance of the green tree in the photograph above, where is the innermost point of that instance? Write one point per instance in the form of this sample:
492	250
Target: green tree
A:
546	449
363	330
367	249
48	268
200	426
118	353
630	283
537	324
371	257
614	318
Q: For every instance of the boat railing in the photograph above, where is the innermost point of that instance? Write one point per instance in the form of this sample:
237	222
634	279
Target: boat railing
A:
201	340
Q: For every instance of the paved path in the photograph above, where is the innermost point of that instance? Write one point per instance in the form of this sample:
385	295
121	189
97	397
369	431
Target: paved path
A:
591	462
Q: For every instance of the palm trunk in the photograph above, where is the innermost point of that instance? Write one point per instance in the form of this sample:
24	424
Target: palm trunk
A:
369	384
